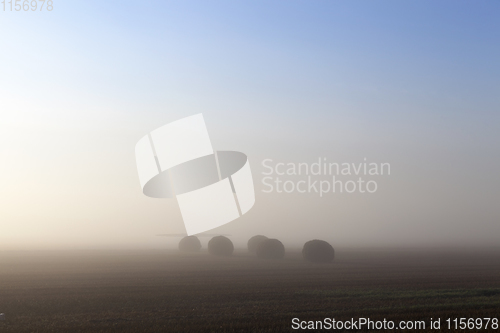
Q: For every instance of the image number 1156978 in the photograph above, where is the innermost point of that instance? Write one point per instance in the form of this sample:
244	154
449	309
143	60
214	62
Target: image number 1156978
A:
27	5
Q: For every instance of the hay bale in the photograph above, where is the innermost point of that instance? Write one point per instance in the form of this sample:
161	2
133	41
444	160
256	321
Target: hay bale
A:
270	249
253	243
318	251
190	244
220	246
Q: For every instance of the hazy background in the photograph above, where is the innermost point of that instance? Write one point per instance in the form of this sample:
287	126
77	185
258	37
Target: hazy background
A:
412	83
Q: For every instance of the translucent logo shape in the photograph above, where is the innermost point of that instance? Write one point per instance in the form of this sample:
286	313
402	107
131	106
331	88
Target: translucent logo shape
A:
212	187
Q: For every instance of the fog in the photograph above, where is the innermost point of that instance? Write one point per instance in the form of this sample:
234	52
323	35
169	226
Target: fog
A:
74	102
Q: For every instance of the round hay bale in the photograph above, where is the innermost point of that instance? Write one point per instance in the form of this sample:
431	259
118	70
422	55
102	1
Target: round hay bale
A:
253	243
270	249
318	251
190	244
220	246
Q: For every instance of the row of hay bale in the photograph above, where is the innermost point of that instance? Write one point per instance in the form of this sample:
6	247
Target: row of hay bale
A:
266	248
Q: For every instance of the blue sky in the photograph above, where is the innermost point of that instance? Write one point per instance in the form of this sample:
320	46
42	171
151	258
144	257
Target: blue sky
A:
429	51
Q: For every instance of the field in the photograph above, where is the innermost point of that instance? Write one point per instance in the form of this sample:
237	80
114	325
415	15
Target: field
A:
162	291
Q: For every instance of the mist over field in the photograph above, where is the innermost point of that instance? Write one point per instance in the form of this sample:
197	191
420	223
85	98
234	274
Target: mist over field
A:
371	128
413	84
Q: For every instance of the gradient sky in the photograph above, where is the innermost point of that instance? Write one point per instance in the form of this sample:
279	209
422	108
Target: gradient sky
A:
412	83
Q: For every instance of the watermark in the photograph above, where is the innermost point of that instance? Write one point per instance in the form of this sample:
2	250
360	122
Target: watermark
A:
355	324
27	5
322	176
211	187
368	324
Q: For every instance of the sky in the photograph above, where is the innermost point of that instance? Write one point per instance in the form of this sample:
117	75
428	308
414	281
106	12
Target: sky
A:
412	83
